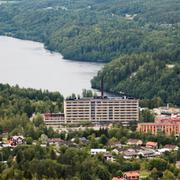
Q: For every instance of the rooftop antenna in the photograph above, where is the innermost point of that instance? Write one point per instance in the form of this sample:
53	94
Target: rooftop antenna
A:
102	87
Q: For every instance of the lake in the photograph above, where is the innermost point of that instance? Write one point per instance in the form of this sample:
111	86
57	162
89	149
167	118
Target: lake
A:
29	64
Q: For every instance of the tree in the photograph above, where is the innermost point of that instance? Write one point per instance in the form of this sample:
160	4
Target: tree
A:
29	140
88	170
123	140
178	176
158	163
46	168
146	116
87	93
102	173
53	154
103	139
38	120
12	173
119	173
154	174
43	139
168	175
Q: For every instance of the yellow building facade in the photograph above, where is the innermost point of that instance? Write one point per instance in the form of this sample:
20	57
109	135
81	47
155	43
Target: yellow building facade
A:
101	110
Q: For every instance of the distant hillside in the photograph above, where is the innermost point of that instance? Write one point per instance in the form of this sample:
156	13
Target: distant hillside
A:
145	76
94	30
143	36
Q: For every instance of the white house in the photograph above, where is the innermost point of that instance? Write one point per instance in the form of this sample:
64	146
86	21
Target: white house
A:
97	151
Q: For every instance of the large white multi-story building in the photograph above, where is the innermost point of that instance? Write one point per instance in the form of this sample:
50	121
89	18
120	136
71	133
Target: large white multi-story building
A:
101	110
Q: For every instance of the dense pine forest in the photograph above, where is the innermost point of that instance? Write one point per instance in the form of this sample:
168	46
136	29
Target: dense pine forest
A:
139	38
94	30
140	42
18	104
145	76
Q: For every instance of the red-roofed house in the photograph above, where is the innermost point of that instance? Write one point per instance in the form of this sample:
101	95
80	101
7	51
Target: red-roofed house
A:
16	140
131	175
55	140
151	144
117	178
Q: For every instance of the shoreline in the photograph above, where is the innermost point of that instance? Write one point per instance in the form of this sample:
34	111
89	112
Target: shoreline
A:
62	68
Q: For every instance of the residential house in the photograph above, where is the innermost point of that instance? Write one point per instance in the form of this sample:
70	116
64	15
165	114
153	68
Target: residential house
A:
171	147
130	153
98	151
147	153
131	175
56	141
152	145
16	140
115	145
108	156
117	178
136	142
140	152
163	150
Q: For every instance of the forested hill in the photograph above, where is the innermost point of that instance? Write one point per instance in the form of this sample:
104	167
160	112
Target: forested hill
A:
19	101
96	30
154	76
143	36
18	104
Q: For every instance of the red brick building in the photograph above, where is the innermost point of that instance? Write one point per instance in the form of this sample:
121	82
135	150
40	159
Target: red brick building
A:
167	119
168	126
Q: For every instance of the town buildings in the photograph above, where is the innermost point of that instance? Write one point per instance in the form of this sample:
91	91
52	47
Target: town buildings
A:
101	110
54	120
167	111
166	125
135	142
96	110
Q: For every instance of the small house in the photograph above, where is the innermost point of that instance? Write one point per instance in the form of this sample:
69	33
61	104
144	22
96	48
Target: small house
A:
152	145
147	153
117	178
108	156
56	141
135	142
131	175
98	151
130	153
16	140
171	147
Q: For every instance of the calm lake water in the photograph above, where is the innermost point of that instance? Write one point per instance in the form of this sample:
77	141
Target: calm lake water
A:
29	64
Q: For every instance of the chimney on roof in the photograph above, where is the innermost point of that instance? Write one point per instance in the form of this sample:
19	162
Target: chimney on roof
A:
102	87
